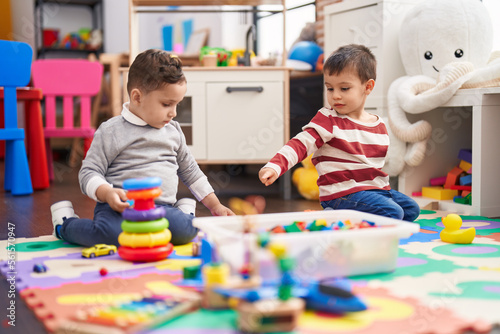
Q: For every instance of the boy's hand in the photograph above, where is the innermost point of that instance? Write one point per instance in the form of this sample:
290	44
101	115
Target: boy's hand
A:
221	210
267	176
216	208
115	197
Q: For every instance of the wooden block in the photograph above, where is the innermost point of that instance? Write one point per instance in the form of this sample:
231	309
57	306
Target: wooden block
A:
416	193
438	181
465	193
452	177
439	193
270	315
466	180
465	166
465	154
462	187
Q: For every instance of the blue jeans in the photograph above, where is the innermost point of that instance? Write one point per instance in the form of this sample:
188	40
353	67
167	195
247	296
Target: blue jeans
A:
388	203
106	227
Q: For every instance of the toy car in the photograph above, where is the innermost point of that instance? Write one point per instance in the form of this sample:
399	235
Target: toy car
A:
99	250
39	268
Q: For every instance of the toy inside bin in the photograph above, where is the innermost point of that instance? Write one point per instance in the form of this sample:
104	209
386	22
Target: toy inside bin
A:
319	254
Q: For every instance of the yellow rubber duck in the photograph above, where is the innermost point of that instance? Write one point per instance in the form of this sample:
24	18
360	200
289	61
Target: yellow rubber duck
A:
452	232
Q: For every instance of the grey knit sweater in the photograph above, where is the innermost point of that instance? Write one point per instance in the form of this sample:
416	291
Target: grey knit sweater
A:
126	147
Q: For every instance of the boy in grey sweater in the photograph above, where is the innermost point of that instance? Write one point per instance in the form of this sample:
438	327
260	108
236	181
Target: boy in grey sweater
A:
144	141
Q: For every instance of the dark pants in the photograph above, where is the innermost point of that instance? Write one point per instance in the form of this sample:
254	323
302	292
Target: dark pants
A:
388	203
106	227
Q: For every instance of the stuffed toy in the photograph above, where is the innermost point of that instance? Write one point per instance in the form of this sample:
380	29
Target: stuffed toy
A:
445	45
305	178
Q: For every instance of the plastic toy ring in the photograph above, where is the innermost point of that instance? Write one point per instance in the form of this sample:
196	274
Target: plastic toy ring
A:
142	183
145	226
145	254
142	216
144	194
139	240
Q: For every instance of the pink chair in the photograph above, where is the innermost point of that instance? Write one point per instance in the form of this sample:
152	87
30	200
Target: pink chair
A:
69	79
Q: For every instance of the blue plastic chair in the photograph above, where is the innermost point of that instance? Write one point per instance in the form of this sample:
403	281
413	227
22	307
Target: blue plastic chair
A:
15	71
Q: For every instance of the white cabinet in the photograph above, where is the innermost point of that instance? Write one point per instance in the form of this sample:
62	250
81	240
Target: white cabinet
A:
469	120
375	24
192	118
238	115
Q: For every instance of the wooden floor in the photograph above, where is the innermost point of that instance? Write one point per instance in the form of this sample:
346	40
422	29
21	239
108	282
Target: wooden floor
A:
31	214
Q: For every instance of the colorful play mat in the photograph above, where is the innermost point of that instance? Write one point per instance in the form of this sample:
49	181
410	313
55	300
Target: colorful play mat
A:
437	287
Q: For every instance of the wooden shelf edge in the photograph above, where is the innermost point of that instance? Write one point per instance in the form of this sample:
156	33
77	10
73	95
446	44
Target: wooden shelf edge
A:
206	2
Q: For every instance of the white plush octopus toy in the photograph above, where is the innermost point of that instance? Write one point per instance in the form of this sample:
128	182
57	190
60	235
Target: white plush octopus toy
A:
445	45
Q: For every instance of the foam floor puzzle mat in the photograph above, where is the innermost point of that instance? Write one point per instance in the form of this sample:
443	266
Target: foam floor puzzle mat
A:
436	288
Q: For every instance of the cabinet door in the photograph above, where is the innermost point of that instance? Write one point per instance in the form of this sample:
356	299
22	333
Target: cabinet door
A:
244	120
191	117
358	26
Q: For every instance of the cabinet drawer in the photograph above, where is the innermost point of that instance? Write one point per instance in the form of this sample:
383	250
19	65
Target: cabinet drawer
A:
245	120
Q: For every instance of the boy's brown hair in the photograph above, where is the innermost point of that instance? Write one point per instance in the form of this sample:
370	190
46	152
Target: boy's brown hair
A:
154	68
355	57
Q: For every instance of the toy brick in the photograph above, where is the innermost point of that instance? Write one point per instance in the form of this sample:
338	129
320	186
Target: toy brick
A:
465	166
438	181
469	188
459	199
452	177
439	193
465	193
416	194
466	180
465	154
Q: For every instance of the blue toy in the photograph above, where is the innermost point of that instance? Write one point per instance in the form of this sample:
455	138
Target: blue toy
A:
15	71
333	296
39	268
306	51
142	183
328	295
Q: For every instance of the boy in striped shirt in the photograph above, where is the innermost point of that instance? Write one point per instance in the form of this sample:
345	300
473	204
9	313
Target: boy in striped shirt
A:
349	144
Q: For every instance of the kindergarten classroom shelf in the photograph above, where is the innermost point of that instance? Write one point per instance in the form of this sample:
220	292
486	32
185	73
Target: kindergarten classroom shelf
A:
470	120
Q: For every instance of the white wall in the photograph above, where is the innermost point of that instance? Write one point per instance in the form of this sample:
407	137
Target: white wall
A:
494	9
116	26
23	26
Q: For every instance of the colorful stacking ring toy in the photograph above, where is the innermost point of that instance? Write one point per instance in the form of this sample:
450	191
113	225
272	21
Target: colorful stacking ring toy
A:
144	199
142	183
138	240
145	254
145	235
145	227
144	215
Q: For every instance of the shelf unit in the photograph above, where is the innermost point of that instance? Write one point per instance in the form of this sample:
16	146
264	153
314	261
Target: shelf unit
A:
468	120
137	7
96	7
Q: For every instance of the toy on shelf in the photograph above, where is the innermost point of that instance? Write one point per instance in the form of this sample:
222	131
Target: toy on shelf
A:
305	178
145	235
456	185
99	250
452	232
73	41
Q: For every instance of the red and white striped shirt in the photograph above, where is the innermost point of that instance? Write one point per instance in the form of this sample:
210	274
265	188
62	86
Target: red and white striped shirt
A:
348	154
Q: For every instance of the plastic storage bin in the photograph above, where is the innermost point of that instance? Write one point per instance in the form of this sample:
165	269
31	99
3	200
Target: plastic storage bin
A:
319	254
